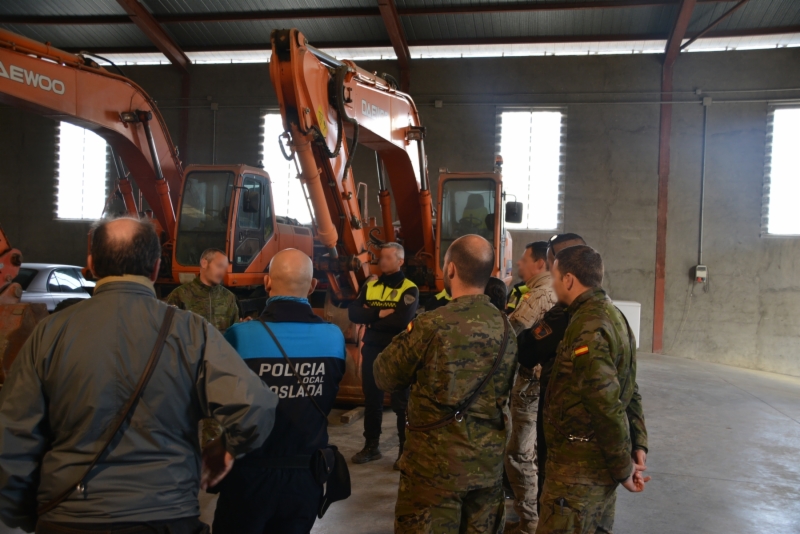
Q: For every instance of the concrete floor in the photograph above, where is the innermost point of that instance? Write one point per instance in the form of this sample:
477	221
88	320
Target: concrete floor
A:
725	444
724	450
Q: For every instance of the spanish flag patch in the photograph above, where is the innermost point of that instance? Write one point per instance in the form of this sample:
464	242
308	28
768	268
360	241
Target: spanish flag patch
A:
410	327
580	351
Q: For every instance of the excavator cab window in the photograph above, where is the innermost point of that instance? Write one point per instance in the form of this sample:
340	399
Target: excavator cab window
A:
205	210
254	221
468	207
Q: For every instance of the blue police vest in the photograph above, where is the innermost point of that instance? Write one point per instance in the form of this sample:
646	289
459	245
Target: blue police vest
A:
317	351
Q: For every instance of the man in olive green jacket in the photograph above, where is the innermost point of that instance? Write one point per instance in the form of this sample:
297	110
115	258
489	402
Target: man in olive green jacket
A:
586	424
205	295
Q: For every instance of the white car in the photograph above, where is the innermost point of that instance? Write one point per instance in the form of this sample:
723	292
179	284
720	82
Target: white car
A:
51	283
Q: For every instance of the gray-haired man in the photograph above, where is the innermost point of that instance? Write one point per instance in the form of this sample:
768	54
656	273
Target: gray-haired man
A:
385	306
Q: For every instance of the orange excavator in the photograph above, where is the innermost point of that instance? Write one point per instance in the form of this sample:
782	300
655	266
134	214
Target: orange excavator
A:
222	206
323	101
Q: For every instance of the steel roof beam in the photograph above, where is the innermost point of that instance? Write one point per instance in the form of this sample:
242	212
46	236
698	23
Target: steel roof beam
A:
714	24
153	30
391	20
678	31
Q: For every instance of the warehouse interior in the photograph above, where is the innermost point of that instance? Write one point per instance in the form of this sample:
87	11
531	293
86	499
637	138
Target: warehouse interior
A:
665	162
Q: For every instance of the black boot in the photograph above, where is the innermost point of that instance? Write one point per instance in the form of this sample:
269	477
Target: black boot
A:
369	453
396	466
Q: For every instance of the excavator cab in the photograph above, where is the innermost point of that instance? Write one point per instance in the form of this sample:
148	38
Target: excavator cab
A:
471	203
229	207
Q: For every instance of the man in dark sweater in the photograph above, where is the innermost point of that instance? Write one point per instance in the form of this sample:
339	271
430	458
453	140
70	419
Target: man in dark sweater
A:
385	306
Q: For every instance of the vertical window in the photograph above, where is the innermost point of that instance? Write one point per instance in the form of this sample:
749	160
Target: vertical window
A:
287	192
81	179
531	146
782	173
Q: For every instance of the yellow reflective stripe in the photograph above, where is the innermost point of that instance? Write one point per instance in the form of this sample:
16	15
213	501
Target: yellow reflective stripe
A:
517	293
381	293
443	295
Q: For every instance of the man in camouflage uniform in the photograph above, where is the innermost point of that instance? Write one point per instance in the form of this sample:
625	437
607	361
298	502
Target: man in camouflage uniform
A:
538	346
520	459
539	297
205	295
586	425
451	475
537	349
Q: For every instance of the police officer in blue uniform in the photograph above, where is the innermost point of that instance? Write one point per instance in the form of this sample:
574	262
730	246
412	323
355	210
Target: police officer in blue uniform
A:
385	306
274	489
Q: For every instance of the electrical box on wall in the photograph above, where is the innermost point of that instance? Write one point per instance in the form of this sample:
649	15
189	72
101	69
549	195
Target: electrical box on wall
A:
701	274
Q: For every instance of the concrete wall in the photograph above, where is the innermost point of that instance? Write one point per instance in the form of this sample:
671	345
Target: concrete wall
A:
610	171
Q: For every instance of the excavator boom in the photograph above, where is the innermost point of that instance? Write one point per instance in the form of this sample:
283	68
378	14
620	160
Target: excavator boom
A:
66	87
323	102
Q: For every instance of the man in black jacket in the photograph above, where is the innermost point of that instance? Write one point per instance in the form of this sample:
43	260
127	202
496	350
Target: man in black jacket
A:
385	306
72	378
273	489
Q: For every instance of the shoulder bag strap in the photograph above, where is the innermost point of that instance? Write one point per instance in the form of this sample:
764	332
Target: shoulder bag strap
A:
291	366
458	415
124	414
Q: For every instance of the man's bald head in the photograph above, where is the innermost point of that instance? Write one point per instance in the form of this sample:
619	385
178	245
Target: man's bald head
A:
124	246
473	258
291	274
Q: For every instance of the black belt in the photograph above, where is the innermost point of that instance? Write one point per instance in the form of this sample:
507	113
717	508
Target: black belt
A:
284	462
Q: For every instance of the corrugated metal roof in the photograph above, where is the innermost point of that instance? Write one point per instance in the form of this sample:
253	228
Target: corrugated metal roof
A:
642	20
86	36
60	7
217	6
652	21
258	32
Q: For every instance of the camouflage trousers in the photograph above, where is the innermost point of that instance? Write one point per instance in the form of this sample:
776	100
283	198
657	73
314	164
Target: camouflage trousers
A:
425	509
520	459
577	509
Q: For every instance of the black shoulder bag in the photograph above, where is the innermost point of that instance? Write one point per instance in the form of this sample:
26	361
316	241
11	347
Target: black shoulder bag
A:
124	415
327	465
458	415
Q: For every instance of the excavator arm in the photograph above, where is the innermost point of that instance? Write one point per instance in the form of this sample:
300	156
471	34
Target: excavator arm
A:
324	101
67	87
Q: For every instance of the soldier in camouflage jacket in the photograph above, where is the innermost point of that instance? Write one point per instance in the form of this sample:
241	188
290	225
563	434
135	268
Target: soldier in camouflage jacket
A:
592	406
451	476
205	295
